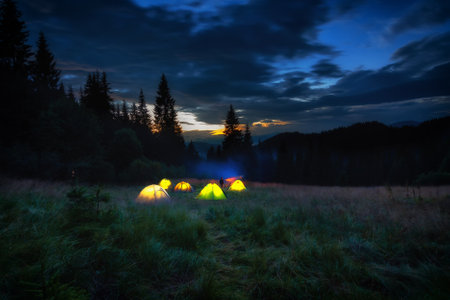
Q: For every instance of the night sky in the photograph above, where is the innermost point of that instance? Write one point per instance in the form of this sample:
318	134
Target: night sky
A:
301	66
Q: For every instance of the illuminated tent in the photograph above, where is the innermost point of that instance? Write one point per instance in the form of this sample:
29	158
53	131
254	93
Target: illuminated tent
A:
232	179
237	186
152	193
182	187
165	183
211	192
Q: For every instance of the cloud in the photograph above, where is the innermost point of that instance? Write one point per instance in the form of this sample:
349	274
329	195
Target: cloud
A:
422	14
324	68
268	123
423	54
217	56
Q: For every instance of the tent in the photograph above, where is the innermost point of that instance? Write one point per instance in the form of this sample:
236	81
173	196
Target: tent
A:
152	193
232	179
182	187
237	186
165	183
211	192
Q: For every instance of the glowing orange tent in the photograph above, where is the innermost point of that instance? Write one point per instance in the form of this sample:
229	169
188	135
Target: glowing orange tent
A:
183	186
165	183
152	193
237	186
211	192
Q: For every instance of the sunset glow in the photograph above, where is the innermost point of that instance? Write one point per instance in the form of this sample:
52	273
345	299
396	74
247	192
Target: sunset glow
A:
267	123
217	132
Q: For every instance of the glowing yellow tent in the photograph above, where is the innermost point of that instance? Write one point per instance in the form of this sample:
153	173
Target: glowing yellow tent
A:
211	192
165	183
237	186
152	193
182	187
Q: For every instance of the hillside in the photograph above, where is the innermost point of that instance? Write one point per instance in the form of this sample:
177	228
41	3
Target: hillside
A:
361	154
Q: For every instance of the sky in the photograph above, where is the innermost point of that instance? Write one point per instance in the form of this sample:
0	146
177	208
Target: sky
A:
304	66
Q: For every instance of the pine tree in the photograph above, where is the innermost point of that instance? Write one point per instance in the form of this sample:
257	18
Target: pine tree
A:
233	135
44	70
142	112
116	112
124	112
134	116
96	94
192	152
165	116
70	95
247	138
14	52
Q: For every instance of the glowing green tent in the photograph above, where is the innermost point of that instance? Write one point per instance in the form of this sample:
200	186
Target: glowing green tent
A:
211	192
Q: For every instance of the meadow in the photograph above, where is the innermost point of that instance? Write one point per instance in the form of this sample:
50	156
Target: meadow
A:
272	241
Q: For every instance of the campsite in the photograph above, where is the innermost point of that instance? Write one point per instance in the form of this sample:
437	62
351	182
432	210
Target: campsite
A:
234	149
270	241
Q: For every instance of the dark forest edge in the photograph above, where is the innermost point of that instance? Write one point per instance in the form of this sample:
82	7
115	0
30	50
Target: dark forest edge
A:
47	133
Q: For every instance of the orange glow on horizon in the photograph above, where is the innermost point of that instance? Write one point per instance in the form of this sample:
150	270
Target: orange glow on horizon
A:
222	130
268	123
217	132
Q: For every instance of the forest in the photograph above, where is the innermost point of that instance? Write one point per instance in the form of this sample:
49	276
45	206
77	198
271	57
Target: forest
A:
49	131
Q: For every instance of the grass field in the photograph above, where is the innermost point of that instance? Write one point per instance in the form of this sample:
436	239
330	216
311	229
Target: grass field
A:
270	242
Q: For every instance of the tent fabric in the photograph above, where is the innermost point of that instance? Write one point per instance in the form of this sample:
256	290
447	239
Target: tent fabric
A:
165	183
211	192
183	186
237	186
152	193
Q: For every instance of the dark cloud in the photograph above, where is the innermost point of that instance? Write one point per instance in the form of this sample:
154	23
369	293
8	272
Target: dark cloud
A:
423	54
424	13
225	56
345	6
431	83
325	68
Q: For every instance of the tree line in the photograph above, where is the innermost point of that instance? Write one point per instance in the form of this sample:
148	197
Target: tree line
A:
47	132
369	153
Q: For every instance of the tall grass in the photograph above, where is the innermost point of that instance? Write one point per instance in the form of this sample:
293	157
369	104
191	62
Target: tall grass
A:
272	241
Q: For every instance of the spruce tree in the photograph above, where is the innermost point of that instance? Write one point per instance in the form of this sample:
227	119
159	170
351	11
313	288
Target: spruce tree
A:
124	112
70	95
233	135
142	112
116	112
44	72
134	116
96	94
165	116
61	90
14	51
247	138
192	152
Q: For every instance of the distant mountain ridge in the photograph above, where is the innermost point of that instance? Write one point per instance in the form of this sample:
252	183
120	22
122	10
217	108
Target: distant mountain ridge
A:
369	153
405	123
